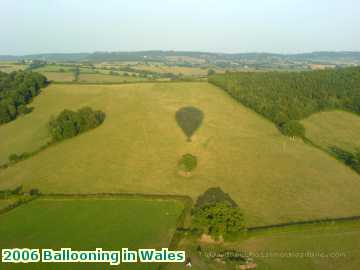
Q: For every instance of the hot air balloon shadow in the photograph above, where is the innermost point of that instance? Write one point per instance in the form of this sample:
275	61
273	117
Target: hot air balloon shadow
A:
189	120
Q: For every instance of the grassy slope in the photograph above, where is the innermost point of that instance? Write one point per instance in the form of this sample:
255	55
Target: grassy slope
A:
137	148
335	247
86	224
336	128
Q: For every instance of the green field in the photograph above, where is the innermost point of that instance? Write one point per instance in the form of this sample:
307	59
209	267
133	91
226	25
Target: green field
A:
320	247
5	202
336	128
137	148
85	224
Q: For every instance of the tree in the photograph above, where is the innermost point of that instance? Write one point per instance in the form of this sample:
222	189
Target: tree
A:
188	163
217	214
219	219
211	72
292	128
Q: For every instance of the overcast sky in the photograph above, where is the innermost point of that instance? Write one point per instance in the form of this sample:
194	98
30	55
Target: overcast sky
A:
282	26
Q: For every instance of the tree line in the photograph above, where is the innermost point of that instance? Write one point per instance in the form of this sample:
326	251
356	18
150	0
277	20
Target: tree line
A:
291	96
17	89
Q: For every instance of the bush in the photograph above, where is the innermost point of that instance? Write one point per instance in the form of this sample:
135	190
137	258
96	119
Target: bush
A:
16	158
188	163
292	128
34	192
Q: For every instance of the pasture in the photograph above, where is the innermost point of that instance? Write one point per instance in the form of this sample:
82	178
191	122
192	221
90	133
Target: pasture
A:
86	224
160	68
137	149
104	78
59	76
334	128
321	247
11	66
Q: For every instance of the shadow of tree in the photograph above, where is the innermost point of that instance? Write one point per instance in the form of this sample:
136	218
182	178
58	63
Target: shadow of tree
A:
189	120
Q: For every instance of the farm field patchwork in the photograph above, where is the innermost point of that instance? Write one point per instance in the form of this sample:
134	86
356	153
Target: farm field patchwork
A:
85	224
137	148
335	128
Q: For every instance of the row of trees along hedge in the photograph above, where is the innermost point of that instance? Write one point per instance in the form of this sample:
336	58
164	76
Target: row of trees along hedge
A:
16	90
71	123
286	96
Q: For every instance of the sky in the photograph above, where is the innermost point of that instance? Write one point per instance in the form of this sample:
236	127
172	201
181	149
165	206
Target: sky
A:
279	26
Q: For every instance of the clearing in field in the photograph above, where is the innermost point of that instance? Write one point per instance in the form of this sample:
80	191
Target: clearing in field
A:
137	149
86	224
336	128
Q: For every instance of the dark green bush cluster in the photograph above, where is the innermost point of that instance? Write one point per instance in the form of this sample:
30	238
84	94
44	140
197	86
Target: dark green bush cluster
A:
8	192
217	214
16	90
18	157
292	128
188	163
284	96
71	123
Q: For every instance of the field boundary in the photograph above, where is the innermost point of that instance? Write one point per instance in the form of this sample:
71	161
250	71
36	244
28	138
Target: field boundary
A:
133	82
305	222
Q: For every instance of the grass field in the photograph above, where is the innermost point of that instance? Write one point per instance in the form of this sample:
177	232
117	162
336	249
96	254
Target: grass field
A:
85	224
136	149
189	71
59	76
10	67
98	78
336	128
320	247
5	202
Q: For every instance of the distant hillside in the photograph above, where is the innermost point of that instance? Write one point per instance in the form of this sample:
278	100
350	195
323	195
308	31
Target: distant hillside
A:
162	55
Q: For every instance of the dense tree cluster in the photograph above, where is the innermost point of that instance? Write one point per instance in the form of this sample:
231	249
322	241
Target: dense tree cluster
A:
217	214
71	123
292	128
284	96
16	90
